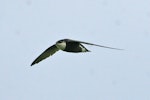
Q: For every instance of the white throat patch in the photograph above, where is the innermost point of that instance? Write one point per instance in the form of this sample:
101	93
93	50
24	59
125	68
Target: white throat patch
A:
61	45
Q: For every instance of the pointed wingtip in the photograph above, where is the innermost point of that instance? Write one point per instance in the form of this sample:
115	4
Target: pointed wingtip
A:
32	64
119	49
110	47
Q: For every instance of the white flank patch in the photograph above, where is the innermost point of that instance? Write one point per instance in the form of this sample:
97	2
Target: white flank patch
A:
83	49
61	45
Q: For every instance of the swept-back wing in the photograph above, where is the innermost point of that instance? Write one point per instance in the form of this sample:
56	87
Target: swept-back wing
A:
48	52
94	44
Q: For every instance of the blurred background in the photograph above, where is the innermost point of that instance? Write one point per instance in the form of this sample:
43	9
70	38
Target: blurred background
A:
28	27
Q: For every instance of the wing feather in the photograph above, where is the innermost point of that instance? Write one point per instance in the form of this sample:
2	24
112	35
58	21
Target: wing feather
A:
94	44
48	52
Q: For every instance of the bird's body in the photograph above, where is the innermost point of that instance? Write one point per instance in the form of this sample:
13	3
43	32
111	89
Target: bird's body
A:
67	45
71	46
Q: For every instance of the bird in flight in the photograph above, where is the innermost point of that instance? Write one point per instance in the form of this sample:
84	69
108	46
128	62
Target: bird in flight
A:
67	45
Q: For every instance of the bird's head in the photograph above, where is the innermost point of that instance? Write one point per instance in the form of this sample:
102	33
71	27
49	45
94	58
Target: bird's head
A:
61	44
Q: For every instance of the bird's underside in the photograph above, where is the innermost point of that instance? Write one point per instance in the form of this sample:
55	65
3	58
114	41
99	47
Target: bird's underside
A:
75	47
67	45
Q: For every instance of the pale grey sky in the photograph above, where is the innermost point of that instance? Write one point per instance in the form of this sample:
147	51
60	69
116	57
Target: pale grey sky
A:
28	27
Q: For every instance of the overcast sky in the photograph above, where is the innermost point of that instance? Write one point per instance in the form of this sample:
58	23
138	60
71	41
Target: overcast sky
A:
28	27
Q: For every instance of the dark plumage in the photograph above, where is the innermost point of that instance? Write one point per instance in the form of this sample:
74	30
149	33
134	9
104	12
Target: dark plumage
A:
67	45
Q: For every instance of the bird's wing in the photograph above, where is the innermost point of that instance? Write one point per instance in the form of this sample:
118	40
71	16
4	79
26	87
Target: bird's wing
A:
94	44
48	52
